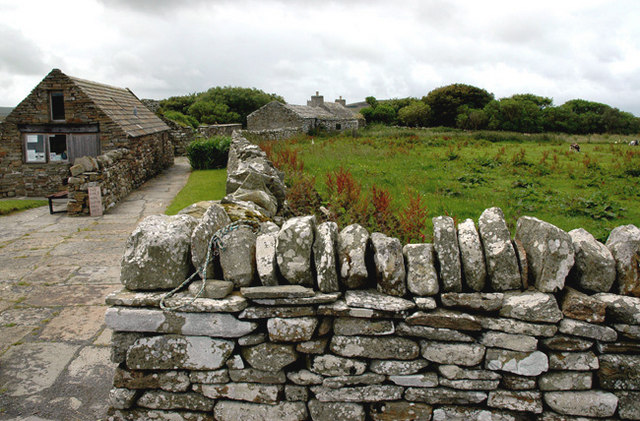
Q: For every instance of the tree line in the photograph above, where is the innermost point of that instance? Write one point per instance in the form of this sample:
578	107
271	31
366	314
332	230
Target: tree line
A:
469	107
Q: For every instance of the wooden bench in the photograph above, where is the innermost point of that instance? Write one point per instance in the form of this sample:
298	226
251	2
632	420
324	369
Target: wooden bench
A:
63	194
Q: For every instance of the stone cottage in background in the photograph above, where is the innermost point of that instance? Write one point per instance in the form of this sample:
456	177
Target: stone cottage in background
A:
65	118
317	114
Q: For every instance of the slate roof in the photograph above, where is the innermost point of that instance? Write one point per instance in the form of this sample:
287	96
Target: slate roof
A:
122	107
328	111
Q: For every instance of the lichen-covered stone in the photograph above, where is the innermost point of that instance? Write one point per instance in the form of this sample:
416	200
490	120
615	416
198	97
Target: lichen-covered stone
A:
445	243
531	306
214	218
524	343
443	395
475	301
591	403
462	413
269	356
468	384
362	379
353	242
374	347
573	361
170	381
517	326
154	399
185	302
452	353
213	289
266	264
587	330
376	300
398	367
267	312
520	363
577	305
234	411
340	309
624	245
566	343
425	303
293	250
523	401
294	393
297	329
175	352
121	398
500	257
325	256
619	372
326	411
416	380
317	298
331	365
471	255
515	382
305	377
251	375
209	376
422	277
550	253
389	264
278	291
157	254
220	325
238	256
433	333
453	372
442	318
316	346
254	194
350	326
620	308
249	392
628	331
628	404
565	380
372	393
595	267
120	344
399	411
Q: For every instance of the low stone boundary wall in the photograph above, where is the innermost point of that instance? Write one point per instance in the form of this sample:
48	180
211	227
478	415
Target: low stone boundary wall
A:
209	130
307	321
274	134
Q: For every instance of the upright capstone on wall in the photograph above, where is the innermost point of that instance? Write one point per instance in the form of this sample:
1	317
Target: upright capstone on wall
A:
309	321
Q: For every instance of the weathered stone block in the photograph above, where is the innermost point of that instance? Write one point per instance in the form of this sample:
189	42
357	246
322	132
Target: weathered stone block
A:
452	353
269	356
325	411
422	277
453	372
376	300
251	375
238	256
516	326
624	245
475	301
157	253
399	411
577	361
510	341
592	403
266	264
523	401
565	380
234	411
166	400
353	242
396	367
521	363
501	260
325	253
550	253
587	330
461	413
331	365
296	329
249	392
358	393
374	347
445	243
214	218
304	377
362	379
173	352
122	398
416	380
620	308
433	333
595	267
619	372
389	264
442	318
577	305
170	381
293	250
443	395
471	255
350	326
531	306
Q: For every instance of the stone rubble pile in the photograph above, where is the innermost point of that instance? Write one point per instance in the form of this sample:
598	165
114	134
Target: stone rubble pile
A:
311	322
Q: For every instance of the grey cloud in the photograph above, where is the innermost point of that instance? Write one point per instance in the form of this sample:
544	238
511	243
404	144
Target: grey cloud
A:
18	54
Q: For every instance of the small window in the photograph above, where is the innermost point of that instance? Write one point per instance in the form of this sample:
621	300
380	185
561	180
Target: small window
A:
338	126
58	148
57	106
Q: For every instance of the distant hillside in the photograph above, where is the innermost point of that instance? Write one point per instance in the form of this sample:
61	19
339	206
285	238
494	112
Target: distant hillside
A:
4	111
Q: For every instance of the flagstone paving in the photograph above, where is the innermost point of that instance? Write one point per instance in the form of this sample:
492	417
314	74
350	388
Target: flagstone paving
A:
55	272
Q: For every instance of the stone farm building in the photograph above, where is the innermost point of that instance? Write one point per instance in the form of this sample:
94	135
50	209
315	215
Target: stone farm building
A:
64	118
317	114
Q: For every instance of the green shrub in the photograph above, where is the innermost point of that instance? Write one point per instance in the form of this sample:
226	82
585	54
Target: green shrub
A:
209	153
181	119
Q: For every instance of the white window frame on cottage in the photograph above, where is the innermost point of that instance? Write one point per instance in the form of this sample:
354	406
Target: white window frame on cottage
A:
37	149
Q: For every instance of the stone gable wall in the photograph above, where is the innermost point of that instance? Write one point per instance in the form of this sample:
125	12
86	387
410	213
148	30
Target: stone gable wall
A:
308	321
118	172
20	179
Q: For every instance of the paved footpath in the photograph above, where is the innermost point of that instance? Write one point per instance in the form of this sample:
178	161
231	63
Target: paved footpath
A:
55	272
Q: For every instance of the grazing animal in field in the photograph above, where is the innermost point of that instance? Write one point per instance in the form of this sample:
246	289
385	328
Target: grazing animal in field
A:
575	147
634	143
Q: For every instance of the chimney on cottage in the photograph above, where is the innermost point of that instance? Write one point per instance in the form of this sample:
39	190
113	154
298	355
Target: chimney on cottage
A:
341	101
317	100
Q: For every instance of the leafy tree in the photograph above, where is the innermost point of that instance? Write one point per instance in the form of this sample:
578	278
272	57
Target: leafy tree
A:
399	103
372	101
560	119
471	118
416	114
180	104
383	113
514	115
183	120
445	101
212	112
541	101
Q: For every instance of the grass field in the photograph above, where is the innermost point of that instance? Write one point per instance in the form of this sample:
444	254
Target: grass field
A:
16	205
202	185
462	173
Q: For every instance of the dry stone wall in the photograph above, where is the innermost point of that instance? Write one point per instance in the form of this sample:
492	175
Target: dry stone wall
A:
306	321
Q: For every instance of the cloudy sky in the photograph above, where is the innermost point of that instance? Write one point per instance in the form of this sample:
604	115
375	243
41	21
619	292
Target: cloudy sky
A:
563	49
